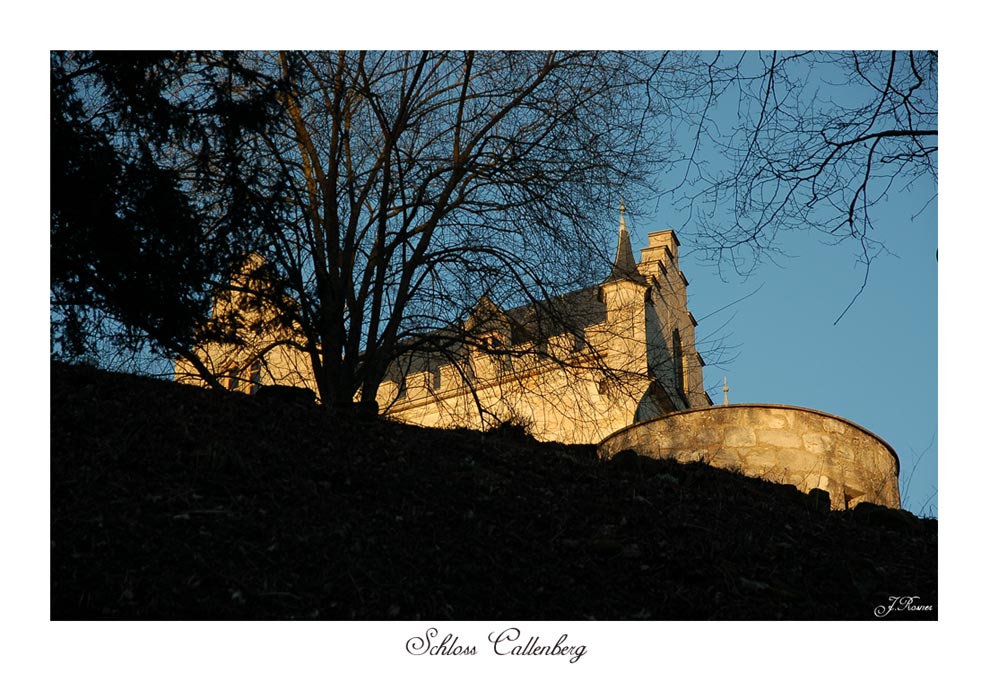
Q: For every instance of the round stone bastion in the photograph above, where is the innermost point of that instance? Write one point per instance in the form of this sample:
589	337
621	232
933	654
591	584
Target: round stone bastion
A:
787	445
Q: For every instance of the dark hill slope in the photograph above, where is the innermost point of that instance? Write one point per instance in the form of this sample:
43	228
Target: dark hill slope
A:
174	502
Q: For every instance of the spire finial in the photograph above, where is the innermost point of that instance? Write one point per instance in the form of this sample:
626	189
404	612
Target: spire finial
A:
725	390
624	267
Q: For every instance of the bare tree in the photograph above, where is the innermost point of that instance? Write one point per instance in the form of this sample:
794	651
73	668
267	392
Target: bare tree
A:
813	141
417	183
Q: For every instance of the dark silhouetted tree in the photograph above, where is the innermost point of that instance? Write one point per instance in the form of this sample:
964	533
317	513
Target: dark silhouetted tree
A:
147	199
386	193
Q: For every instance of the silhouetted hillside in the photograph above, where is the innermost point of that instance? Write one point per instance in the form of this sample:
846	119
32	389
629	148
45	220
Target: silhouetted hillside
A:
175	502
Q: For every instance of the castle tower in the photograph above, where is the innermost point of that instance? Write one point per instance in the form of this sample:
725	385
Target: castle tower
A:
671	334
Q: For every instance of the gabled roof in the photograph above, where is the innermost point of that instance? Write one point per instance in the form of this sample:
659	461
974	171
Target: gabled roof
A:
486	315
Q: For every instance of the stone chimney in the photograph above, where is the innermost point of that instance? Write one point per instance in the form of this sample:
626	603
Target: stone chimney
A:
663	248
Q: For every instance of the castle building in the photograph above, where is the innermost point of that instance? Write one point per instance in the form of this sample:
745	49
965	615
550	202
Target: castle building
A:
572	369
613	364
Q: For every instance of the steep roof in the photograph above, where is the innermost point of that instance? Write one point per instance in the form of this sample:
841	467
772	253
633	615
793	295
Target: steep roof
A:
624	267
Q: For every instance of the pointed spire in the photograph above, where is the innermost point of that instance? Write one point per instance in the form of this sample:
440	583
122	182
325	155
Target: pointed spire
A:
624	267
725	390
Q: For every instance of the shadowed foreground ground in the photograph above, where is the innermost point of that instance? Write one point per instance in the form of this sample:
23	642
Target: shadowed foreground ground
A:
174	502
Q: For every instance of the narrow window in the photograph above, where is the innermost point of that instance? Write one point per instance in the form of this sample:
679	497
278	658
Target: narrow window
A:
678	362
255	377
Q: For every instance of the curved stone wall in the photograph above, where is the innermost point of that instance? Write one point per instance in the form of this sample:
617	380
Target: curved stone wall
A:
789	445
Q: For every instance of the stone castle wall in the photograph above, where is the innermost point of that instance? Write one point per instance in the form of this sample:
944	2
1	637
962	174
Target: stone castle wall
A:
790	445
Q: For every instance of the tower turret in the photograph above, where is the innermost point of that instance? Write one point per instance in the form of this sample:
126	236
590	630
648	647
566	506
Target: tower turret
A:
624	267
